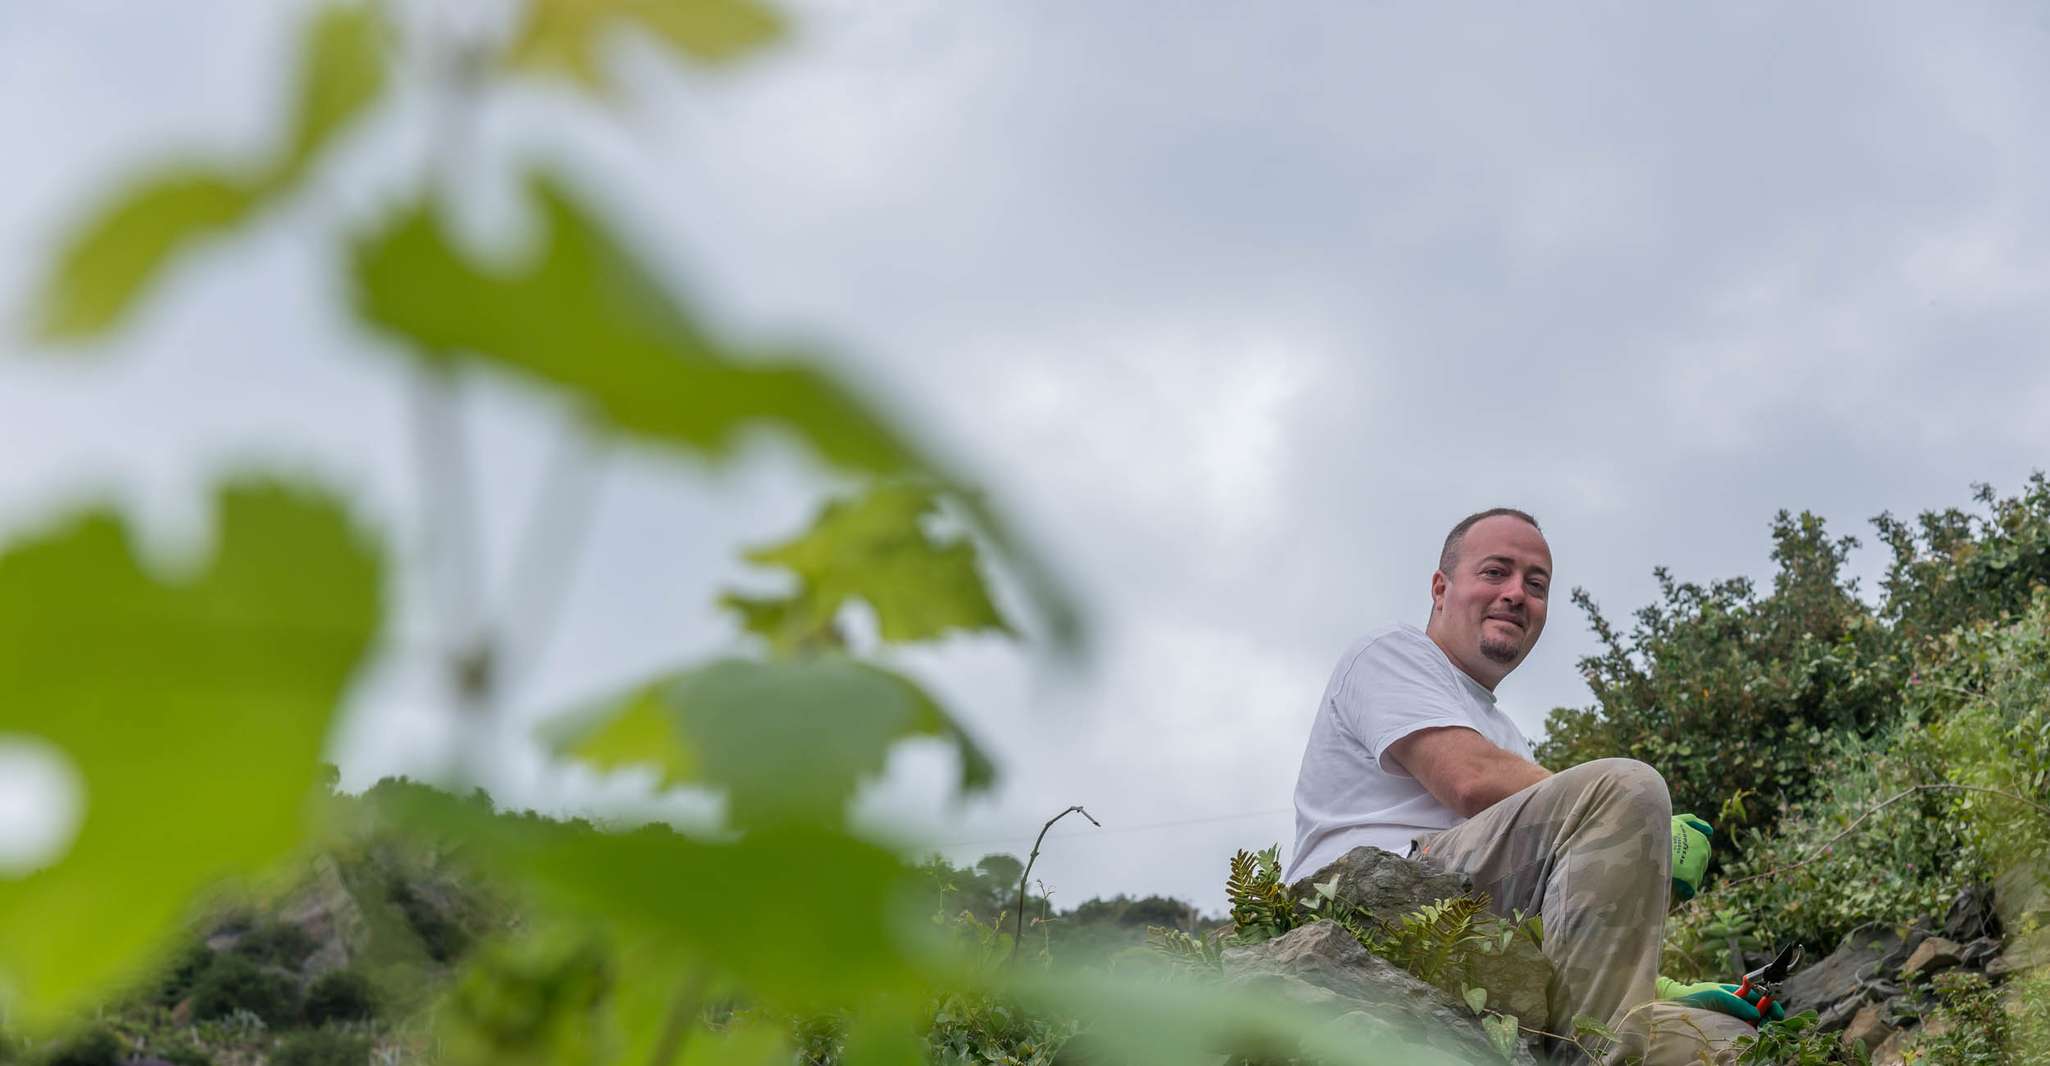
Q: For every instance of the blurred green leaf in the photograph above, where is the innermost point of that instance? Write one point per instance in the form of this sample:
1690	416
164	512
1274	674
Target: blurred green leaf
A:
788	741
875	548
641	731
800	916
1139	1020
108	262
567	36
341	75
585	317
194	709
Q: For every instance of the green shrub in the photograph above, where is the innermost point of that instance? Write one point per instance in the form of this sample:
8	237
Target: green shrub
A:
184	969
340	996
232	982
323	1047
1903	862
1722	689
181	1052
97	1046
276	944
1989	697
444	939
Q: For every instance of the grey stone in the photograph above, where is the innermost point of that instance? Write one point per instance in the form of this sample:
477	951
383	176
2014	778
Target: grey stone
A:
1387	887
1384	884
1866	1029
1863	955
325	908
1971	915
1323	967
1982	951
1931	955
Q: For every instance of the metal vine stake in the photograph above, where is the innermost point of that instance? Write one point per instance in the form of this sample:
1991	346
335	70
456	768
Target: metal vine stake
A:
1018	936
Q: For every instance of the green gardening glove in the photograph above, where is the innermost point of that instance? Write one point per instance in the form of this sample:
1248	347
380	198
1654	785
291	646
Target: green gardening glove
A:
1715	996
1690	854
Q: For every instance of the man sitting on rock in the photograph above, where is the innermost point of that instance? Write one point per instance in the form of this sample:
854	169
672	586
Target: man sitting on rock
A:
1410	754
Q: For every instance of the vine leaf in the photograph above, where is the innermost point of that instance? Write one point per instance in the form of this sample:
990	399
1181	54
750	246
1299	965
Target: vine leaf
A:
797	915
342	74
876	548
568	36
586	318
111	259
788	741
194	710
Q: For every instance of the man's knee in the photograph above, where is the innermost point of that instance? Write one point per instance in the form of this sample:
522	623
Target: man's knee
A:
1631	785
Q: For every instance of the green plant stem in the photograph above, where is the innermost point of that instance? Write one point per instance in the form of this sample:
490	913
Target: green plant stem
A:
683	1016
1018	937
1889	801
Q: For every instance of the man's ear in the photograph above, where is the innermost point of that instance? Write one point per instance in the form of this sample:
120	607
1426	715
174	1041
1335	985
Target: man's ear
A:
1438	584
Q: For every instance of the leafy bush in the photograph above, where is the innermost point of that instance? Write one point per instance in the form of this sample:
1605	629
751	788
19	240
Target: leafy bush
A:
1902	863
1989	696
1722	689
184	969
340	996
275	944
444	939
97	1046
323	1047
1952	570
232	982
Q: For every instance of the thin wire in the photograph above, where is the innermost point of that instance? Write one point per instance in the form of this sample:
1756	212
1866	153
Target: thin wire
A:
1147	827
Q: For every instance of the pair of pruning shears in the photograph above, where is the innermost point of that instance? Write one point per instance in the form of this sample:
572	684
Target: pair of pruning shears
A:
1766	979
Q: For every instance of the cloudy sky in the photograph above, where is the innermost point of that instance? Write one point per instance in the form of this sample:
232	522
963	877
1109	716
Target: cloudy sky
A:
1236	308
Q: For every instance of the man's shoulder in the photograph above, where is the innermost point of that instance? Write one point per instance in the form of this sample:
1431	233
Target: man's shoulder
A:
1396	638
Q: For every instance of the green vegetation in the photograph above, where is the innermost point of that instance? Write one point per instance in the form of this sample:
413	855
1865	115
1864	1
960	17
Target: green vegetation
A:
1863	763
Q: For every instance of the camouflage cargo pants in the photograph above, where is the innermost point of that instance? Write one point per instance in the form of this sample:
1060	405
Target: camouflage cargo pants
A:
1590	850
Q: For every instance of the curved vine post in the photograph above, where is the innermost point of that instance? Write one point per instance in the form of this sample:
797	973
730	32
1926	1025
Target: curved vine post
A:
1018	936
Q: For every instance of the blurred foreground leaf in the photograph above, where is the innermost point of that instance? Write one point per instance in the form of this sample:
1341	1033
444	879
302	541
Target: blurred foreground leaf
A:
874	548
788	741
585	317
798	916
194	709
1140	1020
341	75
109	261
568	36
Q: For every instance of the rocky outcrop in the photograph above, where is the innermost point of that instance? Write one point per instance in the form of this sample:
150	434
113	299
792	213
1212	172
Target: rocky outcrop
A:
1387	887
328	912
1322	966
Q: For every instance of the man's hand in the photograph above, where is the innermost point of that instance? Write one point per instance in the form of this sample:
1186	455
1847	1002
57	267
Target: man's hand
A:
1690	854
1715	996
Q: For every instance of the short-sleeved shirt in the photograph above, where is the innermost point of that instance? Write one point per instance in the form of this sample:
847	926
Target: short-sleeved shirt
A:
1393	682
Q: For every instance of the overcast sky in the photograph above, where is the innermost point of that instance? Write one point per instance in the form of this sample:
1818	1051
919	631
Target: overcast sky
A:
1236	307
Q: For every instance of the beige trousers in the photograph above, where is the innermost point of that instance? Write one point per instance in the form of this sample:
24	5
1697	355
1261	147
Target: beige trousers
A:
1590	850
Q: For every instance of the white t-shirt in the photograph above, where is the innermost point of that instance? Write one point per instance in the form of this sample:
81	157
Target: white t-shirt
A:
1390	684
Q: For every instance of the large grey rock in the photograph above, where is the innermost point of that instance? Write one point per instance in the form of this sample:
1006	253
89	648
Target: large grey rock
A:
2022	900
1323	967
1384	884
1863	956
328	912
1387	887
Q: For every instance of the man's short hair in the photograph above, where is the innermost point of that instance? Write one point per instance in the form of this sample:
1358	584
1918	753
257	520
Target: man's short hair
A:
1449	557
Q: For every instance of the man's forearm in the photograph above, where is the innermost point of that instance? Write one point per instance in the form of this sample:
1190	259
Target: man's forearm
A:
1500	778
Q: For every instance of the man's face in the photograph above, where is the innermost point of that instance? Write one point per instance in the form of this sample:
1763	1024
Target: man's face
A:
1487	613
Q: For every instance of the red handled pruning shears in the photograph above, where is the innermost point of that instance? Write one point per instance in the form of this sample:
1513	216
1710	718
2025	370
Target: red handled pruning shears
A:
1766	979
